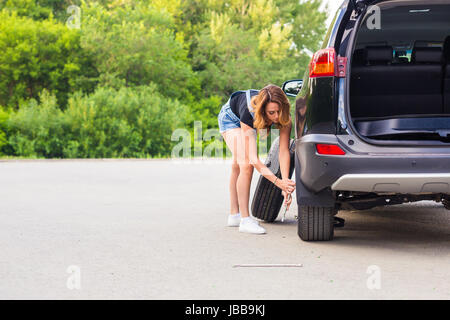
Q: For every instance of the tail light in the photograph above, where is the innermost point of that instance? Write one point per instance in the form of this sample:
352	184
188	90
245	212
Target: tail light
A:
329	149
323	63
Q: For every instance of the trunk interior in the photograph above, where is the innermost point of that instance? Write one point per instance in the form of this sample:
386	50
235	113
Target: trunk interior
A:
400	73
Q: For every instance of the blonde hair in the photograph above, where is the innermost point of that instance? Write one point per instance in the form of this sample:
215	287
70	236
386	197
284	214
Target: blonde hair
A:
270	93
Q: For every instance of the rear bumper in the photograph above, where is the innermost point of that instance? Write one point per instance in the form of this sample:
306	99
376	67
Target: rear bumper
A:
411	183
366	168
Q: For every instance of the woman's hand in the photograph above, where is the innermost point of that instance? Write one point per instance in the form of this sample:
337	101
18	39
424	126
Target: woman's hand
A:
286	185
287	199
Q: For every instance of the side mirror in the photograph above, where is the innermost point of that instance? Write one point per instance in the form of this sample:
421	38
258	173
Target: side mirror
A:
292	87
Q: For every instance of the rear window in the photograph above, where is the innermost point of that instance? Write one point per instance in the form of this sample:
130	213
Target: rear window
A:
404	28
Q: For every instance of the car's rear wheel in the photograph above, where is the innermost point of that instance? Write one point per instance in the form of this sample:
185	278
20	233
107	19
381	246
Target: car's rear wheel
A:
268	199
316	223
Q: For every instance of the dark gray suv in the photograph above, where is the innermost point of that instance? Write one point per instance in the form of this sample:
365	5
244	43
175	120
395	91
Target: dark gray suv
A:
372	118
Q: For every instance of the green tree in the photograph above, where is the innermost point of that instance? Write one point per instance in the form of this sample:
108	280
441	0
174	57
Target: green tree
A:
26	8
135	44
249	44
37	55
135	65
40	10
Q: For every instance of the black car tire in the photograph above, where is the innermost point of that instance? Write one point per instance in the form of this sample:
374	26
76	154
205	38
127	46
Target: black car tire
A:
267	199
316	223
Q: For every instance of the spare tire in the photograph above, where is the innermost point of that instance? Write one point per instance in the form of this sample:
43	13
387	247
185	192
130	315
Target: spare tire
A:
267	199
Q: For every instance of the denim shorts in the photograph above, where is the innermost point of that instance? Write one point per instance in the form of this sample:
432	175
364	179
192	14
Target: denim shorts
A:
227	119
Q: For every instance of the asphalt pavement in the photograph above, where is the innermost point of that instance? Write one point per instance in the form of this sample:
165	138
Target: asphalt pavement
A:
155	229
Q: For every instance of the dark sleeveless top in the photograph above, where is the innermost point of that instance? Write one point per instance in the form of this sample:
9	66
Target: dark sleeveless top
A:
239	106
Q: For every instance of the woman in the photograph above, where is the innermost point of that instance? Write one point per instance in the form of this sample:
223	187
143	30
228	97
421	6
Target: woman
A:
243	114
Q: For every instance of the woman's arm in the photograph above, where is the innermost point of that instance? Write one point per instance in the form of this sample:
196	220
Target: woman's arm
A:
284	155
251	156
285	159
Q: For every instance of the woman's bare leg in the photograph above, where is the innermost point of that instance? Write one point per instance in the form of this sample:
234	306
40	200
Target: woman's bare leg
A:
231	137
243	188
234	204
235	142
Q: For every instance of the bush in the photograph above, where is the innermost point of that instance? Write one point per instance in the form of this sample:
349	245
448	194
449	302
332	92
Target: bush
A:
130	122
37	129
4	116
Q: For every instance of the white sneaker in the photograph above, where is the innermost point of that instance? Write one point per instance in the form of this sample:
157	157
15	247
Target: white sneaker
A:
249	225
234	220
